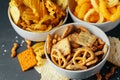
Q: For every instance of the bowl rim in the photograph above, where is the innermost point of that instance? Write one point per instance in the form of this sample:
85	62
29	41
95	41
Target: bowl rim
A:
91	68
36	32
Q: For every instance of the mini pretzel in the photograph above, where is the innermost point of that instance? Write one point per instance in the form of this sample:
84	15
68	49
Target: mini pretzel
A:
58	58
92	62
82	56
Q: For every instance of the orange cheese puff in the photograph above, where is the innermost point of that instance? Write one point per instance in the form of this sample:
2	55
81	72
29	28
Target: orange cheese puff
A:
112	10
116	15
103	9
80	2
83	9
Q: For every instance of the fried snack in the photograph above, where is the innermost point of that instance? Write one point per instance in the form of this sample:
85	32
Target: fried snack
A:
112	71
112	3
39	52
27	59
15	13
80	2
49	43
63	45
37	15
89	13
85	39
116	15
67	31
95	5
58	58
103	9
13	50
92	62
81	10
28	42
78	49
82	56
62	3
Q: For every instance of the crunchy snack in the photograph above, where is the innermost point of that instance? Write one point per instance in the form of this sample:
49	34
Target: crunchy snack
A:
67	31
79	49
37	15
39	52
28	42
27	59
97	11
86	39
63	45
49	43
114	51
13	50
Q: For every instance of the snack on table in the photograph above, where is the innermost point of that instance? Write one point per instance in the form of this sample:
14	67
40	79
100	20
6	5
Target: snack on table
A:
13	50
37	15
27	59
79	49
38	49
97	11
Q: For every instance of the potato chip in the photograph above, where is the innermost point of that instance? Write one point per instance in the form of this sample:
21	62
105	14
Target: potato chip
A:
62	3
37	15
34	5
15	13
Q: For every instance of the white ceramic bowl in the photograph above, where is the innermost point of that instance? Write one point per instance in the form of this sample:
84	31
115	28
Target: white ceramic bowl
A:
82	74
105	26
33	36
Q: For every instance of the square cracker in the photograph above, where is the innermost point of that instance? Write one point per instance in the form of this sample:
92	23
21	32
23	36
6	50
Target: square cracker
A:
85	39
27	59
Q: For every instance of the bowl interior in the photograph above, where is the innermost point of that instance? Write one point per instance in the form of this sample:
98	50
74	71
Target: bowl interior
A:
98	32
32	35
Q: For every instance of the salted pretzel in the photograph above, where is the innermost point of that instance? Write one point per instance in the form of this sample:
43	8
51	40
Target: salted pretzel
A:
82	56
58	58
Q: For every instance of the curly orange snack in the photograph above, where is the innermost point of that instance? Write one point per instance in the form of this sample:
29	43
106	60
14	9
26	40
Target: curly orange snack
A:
27	59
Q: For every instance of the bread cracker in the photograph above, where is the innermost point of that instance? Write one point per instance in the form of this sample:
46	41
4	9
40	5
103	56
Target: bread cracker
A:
86	39
27	59
114	55
63	45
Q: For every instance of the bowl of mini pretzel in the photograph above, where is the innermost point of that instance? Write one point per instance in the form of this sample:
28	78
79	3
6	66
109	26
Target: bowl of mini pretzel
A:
77	50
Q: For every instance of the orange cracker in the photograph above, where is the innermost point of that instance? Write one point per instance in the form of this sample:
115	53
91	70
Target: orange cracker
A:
27	59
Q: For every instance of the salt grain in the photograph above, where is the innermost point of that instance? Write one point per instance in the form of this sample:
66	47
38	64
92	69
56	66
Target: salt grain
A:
5	50
21	44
